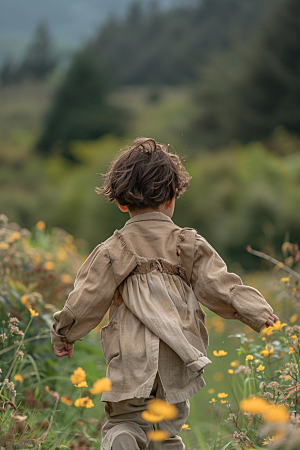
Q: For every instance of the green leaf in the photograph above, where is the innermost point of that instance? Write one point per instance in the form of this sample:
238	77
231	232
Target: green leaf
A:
226	445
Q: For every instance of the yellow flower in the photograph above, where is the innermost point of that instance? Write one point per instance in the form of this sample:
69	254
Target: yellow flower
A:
293	318
223	401
150	417
249	357
185	427
211	391
158	435
18	377
160	407
61	254
285	279
254	405
69	239
222	395
84	402
267	331
218	376
49	265
81	384
276	414
78	376
294	289
37	259
235	363
269	440
41	226
4	245
264	338
33	313
280	265
218	324
101	385
287	377
213	400
15	236
260	368
219	353
294	336
66	400
65	278
292	350
231	371
278	325
24	300
267	351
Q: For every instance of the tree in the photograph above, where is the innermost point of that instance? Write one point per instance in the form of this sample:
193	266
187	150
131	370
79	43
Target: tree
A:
80	110
39	59
260	89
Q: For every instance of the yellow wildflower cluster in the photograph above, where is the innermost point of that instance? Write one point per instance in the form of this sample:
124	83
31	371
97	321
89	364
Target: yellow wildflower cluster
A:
66	400
267	351
219	353
33	313
271	413
84	402
18	377
78	376
293	318
158	435
41	226
101	385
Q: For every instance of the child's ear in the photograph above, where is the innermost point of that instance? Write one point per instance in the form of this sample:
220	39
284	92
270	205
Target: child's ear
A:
122	208
170	203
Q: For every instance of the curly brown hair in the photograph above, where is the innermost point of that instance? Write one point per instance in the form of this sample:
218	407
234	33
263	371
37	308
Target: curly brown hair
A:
145	175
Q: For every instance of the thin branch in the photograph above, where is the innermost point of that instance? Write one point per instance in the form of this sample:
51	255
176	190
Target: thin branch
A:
274	261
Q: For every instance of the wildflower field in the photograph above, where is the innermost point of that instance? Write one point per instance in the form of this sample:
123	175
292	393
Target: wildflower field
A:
252	391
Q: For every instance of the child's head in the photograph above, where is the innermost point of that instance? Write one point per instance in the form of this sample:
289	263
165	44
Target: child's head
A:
146	175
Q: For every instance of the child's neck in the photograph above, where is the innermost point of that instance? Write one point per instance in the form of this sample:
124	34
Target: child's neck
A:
167	209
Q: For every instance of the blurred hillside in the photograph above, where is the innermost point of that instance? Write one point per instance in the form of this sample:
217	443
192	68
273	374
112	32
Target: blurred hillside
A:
159	74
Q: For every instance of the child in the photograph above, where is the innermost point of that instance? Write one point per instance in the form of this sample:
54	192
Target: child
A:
152	275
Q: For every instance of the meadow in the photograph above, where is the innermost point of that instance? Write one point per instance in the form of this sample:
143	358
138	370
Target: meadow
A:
251	396
49	403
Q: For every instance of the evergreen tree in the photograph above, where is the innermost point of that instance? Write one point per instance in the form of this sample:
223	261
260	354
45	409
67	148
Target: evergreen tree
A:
169	46
7	72
258	88
80	110
39	59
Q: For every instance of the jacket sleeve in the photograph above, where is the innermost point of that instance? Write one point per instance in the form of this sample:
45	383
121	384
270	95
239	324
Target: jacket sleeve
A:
223	292
89	301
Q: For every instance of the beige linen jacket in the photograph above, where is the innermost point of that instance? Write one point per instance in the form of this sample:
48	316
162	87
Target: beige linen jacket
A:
156	322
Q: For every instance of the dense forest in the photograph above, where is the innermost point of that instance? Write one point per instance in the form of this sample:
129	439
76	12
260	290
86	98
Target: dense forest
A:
258	87
147	47
170	46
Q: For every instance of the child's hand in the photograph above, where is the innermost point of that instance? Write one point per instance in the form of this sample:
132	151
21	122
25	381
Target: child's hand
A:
66	350
271	320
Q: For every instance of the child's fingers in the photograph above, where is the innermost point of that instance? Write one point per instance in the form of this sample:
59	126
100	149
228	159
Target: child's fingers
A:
269	322
60	351
275	317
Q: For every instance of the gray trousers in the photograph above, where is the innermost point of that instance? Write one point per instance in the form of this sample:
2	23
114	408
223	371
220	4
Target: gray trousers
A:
127	430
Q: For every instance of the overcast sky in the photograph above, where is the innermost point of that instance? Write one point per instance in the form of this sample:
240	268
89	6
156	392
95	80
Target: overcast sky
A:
70	21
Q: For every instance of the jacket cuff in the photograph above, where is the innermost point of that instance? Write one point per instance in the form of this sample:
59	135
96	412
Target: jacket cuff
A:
200	363
258	324
264	317
58	339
